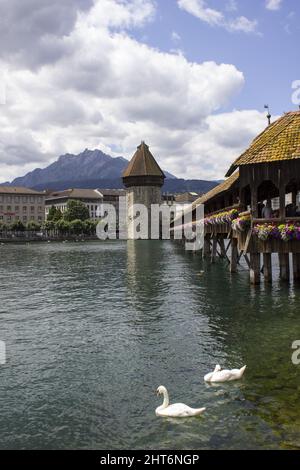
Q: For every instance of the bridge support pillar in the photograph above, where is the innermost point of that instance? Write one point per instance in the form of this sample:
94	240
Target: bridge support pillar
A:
296	266
284	264
255	268
267	267
234	255
214	250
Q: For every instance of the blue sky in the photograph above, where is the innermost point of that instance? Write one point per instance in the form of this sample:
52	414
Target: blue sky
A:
190	77
269	58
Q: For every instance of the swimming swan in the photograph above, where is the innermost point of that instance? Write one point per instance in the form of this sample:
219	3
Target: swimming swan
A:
178	410
219	375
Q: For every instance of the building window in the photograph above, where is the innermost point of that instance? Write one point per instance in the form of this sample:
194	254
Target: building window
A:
25	218
32	208
40	218
17	198
24	198
17	209
40	209
32	217
24	208
8	218
8	208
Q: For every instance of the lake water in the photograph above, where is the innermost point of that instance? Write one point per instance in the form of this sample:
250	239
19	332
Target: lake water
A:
91	330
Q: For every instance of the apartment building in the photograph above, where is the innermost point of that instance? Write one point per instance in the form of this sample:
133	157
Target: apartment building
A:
92	198
17	203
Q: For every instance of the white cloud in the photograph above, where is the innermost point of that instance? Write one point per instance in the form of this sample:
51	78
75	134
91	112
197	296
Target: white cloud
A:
273	4
199	9
105	89
242	23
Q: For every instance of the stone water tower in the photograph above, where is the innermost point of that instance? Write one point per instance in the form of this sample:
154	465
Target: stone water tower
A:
143	179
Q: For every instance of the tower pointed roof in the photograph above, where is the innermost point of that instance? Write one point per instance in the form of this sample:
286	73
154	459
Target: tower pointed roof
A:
143	164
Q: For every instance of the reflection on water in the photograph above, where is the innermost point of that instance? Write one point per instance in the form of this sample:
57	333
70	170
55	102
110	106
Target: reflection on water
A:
92	329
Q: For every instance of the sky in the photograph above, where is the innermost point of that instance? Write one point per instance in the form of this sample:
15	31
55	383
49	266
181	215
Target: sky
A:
189	77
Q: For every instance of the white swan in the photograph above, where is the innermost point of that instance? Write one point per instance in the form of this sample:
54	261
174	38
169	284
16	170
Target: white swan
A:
178	410
219	375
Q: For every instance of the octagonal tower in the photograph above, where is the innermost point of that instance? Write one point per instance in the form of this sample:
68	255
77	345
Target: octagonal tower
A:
143	179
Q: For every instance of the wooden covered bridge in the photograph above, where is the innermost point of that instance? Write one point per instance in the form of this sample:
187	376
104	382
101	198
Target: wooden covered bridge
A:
254	212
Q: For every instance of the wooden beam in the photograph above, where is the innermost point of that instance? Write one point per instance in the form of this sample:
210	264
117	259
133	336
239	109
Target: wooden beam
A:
296	266
255	268
229	244
214	250
234	255
254	208
206	248
267	267
282	201
249	235
284	265
222	247
247	259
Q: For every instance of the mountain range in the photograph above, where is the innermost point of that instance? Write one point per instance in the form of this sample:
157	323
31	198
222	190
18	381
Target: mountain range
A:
95	169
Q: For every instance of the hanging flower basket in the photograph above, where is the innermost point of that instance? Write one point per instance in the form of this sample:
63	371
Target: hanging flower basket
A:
284	232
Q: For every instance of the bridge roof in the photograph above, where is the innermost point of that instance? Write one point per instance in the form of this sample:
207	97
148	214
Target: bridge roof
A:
279	141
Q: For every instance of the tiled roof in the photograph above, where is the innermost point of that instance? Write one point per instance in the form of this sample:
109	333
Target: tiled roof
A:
112	192
75	193
280	141
221	188
19	190
143	164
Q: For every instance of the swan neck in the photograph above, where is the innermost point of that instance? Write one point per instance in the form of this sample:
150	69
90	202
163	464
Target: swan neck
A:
166	399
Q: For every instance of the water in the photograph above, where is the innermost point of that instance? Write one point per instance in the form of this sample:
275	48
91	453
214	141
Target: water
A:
92	329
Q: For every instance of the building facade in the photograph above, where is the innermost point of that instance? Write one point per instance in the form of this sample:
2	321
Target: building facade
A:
92	198
21	204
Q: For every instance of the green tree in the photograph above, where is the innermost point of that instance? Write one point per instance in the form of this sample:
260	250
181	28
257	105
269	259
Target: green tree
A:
17	226
89	226
49	225
77	226
54	214
76	210
33	226
3	227
62	226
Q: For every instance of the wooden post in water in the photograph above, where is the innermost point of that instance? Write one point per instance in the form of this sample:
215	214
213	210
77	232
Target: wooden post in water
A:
214	250
222	247
284	265
234	255
267	267
255	268
296	266
206	248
